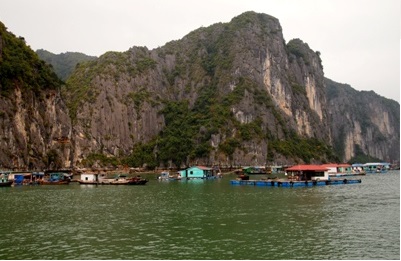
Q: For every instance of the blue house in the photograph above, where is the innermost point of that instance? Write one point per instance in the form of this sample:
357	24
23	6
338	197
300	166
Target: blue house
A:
198	172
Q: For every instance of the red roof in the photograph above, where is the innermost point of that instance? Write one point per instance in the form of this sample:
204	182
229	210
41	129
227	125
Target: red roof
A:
307	168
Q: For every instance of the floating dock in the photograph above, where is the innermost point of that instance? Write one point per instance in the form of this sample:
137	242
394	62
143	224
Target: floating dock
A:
289	183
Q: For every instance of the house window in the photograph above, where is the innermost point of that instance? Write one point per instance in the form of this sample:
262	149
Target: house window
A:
86	178
319	174
191	172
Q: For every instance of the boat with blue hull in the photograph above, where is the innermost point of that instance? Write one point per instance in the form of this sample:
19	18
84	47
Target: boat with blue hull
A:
290	184
299	176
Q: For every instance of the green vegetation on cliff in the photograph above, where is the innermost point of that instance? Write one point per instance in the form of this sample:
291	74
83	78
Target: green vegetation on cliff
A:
20	66
64	63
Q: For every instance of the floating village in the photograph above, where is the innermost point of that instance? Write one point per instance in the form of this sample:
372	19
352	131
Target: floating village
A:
306	175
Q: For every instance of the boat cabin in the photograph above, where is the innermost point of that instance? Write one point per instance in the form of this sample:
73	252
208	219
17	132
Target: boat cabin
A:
376	167
307	172
198	172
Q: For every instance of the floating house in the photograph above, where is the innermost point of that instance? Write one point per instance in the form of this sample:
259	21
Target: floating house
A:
299	176
376	167
308	172
20	178
92	178
25	178
198	172
339	170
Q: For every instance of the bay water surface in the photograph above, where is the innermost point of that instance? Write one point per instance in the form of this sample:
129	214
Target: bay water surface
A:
199	219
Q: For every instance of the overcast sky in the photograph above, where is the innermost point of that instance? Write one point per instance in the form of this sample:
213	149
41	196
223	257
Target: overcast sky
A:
359	40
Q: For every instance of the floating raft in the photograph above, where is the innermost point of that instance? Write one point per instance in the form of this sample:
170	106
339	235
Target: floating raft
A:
288	183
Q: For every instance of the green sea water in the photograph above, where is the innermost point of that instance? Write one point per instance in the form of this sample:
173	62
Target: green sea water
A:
202	220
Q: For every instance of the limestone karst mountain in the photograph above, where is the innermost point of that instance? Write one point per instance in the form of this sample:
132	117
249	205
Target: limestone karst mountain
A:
232	93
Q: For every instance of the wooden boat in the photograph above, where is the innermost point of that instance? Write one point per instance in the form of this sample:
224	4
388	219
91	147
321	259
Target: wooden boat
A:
56	182
55	178
137	181
124	180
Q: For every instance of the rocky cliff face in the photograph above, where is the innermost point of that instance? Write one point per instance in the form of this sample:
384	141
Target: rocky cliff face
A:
231	94
363	123
35	128
245	65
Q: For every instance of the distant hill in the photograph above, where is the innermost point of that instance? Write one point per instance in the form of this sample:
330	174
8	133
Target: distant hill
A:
64	63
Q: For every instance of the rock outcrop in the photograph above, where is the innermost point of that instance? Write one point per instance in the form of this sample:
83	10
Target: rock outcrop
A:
35	127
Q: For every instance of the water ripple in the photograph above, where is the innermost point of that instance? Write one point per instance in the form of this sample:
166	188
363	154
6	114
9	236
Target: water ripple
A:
203	220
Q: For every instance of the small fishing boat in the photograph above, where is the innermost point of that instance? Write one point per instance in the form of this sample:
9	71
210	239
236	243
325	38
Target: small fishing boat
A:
167	177
124	180
137	181
55	178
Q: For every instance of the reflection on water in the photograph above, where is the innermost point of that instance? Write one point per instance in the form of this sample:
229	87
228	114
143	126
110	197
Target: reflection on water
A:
202	220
